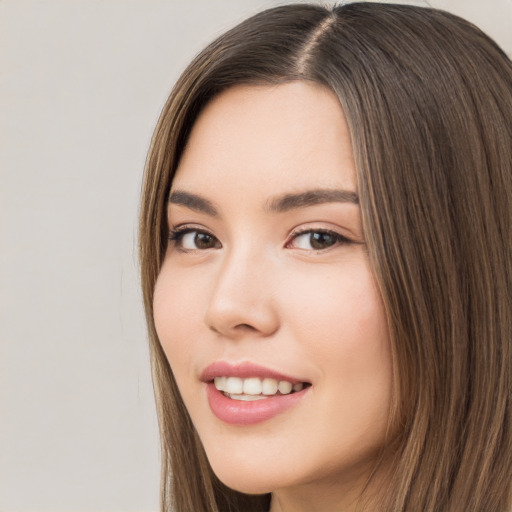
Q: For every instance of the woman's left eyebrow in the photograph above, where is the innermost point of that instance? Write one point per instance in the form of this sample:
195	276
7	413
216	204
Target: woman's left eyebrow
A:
288	202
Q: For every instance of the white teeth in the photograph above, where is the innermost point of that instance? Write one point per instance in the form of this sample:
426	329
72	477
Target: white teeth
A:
269	386
220	383
234	386
285	387
254	387
247	398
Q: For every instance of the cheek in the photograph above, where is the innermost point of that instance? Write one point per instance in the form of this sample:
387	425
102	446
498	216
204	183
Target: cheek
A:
176	314
340	312
340	324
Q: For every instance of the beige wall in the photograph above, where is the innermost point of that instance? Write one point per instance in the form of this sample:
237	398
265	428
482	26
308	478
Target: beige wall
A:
82	82
494	17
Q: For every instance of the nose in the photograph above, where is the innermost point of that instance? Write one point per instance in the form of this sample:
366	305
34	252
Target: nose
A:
242	302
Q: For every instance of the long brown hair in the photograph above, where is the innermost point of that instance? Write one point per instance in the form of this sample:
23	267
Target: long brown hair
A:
428	100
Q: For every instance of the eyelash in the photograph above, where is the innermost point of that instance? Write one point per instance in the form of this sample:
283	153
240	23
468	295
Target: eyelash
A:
176	236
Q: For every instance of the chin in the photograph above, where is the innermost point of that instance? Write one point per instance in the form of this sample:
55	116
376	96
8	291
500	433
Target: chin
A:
247	483
249	478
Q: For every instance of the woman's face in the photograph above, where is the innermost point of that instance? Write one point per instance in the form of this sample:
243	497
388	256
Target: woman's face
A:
266	285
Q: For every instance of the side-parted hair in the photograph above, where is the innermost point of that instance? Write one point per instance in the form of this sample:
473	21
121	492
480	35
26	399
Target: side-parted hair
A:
428	101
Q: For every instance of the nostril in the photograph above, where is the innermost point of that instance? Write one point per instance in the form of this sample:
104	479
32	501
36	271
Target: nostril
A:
239	327
245	327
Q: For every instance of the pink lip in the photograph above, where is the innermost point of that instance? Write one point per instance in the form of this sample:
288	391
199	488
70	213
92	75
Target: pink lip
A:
237	412
244	371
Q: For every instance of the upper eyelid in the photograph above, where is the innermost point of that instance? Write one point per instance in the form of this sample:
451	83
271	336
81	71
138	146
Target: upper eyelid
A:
294	231
187	225
301	231
296	234
184	229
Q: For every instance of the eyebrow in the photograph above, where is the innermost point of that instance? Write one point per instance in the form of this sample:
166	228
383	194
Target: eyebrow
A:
278	204
194	202
310	198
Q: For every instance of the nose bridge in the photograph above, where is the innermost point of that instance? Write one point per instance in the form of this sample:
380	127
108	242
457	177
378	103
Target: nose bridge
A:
241	298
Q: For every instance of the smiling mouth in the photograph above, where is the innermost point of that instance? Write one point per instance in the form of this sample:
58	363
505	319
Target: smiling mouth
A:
253	388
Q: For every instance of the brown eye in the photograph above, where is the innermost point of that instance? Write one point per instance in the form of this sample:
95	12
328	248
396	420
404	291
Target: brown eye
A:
322	240
318	240
205	241
193	240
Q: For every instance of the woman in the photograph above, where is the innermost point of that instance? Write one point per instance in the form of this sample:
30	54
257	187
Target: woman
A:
325	248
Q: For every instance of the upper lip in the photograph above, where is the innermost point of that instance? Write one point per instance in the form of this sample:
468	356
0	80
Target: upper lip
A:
243	370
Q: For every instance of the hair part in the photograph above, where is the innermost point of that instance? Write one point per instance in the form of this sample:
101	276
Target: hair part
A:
428	101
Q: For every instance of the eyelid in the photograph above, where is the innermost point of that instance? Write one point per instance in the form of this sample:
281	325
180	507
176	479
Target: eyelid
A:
182	228
176	232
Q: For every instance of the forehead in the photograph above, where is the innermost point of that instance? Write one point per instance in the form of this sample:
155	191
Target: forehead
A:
289	136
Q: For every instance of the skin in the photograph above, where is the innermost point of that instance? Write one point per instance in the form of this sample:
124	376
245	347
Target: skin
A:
257	290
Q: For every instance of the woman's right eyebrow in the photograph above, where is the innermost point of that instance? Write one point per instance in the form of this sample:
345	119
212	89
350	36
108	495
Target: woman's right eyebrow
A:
194	202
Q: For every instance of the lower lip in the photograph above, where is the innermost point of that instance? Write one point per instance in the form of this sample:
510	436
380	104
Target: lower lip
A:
239	412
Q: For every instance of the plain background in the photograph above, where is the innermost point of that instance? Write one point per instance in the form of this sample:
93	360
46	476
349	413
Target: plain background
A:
82	84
